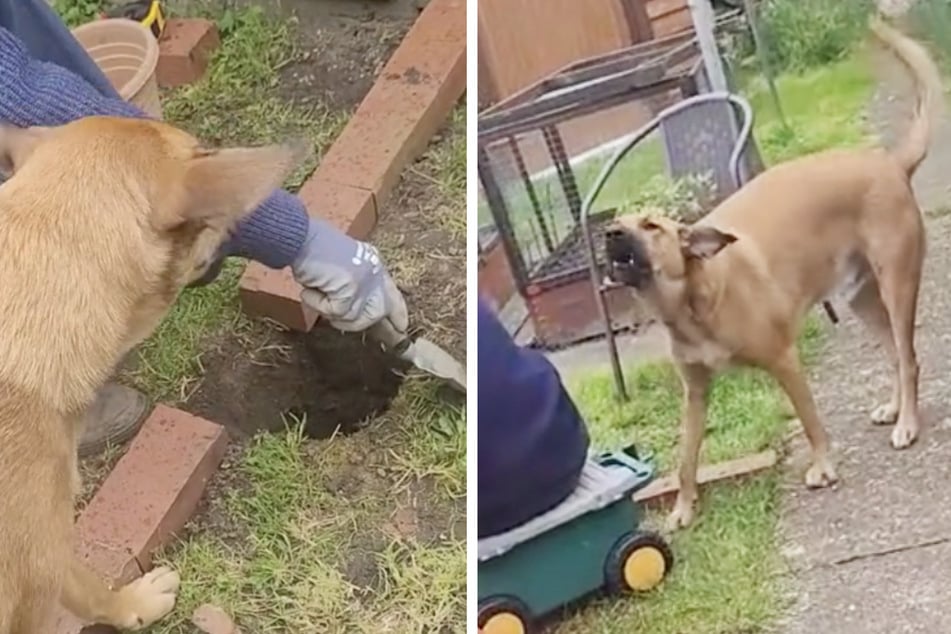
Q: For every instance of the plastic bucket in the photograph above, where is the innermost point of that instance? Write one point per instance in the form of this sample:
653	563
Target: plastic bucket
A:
128	54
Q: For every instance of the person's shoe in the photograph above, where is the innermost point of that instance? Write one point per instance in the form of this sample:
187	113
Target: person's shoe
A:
114	417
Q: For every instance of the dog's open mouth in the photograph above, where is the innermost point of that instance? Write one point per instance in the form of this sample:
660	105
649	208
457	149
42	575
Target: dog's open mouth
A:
627	260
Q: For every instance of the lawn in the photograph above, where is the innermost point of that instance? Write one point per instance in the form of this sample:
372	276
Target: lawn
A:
729	573
364	530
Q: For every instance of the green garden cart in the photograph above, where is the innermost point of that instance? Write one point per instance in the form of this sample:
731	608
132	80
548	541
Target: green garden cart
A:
590	543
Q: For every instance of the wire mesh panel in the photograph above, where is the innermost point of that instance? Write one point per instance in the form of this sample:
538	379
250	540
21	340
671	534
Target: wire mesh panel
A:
537	209
698	141
540	154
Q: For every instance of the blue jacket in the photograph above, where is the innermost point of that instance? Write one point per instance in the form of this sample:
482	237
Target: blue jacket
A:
532	441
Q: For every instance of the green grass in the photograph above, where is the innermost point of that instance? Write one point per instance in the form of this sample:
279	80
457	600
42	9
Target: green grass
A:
238	102
391	498
728	572
354	534
824	107
289	569
725	579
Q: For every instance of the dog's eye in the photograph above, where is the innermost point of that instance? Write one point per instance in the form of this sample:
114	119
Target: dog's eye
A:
649	225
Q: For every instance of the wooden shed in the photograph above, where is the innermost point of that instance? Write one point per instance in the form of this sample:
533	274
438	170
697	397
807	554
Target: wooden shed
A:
521	41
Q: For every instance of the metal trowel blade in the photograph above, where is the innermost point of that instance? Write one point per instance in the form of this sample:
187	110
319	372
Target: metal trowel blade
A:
432	359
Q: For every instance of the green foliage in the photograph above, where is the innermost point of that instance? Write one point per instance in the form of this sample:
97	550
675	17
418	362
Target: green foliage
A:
804	34
931	21
76	12
685	199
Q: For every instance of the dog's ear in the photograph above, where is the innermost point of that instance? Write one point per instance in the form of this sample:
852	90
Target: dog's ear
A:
703	242
222	186
17	144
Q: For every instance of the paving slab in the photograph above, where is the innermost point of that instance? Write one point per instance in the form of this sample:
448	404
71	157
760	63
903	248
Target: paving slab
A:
872	554
903	593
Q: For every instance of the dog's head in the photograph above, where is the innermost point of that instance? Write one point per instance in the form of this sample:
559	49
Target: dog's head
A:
102	222
652	254
193	195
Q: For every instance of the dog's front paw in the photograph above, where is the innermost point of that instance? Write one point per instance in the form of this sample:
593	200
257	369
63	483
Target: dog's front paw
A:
904	435
821	474
681	516
149	598
885	414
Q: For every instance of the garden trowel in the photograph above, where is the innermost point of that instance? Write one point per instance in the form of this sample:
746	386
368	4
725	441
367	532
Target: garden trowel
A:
422	353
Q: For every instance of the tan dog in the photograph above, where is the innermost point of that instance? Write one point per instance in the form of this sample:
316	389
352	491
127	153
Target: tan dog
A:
735	287
102	223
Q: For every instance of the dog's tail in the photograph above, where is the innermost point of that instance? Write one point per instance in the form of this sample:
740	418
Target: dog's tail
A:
911	151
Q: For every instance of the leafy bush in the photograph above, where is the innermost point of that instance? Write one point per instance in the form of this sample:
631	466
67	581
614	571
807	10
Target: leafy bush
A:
684	199
804	34
76	12
931	21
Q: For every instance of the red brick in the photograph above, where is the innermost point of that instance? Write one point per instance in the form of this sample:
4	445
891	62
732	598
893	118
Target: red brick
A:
151	493
495	279
350	209
412	97
185	50
274	294
410	100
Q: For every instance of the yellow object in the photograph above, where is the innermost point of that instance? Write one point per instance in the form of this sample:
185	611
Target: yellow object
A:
644	568
155	19
149	13
503	623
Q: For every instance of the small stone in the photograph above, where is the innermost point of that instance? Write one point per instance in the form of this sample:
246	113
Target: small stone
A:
213	620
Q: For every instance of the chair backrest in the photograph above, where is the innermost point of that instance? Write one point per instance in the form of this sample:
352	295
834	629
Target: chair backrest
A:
700	139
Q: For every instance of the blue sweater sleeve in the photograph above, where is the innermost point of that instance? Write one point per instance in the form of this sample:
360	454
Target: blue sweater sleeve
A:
34	92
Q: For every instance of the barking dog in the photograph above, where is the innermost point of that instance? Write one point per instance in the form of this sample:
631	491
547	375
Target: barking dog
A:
101	224
735	287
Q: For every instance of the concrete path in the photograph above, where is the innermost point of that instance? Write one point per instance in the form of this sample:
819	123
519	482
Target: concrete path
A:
873	555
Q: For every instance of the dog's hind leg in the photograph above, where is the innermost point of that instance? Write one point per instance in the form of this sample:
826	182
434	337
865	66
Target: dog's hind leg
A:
787	370
899	275
131	607
868	307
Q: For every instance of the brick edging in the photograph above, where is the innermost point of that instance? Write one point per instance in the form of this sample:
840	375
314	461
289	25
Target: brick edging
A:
147	498
410	100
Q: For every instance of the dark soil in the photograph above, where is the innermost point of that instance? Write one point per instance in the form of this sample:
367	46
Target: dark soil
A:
343	44
333	381
341	57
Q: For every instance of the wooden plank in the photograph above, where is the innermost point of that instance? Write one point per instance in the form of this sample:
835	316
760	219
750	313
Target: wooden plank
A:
665	489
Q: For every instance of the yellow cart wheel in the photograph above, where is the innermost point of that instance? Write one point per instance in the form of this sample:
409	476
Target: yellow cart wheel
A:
503	615
637	563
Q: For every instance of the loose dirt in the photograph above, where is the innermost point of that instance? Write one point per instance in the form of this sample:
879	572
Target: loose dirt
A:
332	380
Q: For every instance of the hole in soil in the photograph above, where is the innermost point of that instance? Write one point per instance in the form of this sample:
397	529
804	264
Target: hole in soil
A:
334	380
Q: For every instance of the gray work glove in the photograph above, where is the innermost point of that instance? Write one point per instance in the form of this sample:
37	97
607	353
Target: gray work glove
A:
346	282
